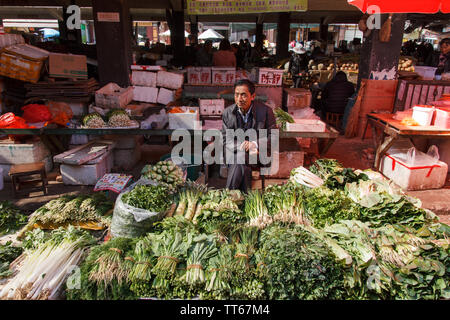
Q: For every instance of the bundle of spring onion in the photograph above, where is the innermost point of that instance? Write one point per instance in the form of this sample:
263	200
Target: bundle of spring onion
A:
245	240
141	273
256	210
196	261
303	176
189	197
43	270
219	274
282	118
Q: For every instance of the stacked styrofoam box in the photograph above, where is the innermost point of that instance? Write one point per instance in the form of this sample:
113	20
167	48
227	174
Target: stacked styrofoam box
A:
11	153
155	87
211	107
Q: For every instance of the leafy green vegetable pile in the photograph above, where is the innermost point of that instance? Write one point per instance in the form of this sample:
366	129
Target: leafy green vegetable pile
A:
11	218
151	198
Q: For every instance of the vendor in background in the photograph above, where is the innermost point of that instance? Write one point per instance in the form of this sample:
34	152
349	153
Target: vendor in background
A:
225	57
245	114
444	58
191	51
203	56
336	93
298	63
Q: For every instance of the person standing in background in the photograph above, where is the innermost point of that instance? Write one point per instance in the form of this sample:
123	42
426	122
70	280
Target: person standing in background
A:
444	58
225	56
203	56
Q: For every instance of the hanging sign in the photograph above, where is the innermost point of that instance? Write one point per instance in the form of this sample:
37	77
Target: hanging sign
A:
108	16
198	7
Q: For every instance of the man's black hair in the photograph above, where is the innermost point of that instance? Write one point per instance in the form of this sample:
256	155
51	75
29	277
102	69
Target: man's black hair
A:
247	83
444	41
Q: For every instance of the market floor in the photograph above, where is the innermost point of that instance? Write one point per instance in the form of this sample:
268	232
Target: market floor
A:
358	154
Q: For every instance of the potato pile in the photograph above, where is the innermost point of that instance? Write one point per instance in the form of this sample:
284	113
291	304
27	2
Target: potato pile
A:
406	64
349	66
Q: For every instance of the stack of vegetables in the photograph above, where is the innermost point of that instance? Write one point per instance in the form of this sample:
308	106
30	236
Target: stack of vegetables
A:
165	173
8	253
327	233
94	121
88	211
118	118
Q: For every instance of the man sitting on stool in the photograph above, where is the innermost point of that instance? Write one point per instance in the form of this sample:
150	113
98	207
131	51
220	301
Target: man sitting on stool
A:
245	114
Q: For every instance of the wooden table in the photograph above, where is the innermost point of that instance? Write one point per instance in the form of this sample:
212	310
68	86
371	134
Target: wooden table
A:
386	130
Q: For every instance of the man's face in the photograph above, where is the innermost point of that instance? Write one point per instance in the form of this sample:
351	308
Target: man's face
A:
243	98
445	48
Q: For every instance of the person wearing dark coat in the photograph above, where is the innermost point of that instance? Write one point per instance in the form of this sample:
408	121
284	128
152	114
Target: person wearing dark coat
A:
444	58
336	93
298	63
245	114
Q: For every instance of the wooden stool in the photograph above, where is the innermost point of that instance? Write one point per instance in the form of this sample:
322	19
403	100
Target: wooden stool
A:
334	119
18	171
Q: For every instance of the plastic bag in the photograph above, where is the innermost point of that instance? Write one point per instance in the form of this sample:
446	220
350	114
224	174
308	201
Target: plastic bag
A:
417	158
131	222
34	113
11	121
61	113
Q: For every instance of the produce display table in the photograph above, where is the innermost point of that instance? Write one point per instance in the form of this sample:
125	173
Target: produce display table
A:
389	130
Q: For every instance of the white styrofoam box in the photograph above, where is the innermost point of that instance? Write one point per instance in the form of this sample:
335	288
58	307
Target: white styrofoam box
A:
187	120
212	125
126	159
89	173
48	163
306	125
427	73
442	119
145	94
211	106
423	115
414	178
146	68
113	96
162	63
12	153
143	78
165	96
297	98
223	75
270	76
443	146
169	80
199	75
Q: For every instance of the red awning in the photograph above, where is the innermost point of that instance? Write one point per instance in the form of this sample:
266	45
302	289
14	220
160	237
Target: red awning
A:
404	6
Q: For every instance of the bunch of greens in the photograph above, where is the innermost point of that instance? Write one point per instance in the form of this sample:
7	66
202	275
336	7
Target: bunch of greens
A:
325	168
323	206
298	265
71	209
256	210
43	270
219	274
104	273
379	205
148	197
334	174
8	254
140	275
282	117
165	173
11	218
220	206
284	203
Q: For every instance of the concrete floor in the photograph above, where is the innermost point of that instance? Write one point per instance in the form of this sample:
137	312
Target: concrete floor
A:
350	152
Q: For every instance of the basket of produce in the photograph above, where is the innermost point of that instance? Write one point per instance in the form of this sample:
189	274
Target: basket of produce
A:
169	173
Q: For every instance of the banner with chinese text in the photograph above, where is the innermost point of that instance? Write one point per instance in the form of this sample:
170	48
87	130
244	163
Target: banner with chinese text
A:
198	7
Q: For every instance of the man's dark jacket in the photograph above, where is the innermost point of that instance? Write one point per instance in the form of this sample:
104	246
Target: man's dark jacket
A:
336	93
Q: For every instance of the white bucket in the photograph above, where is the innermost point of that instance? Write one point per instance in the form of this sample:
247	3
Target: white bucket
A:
423	115
1	178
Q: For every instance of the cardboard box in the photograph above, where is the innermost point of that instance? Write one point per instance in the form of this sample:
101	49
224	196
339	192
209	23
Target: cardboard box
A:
68	66
113	96
297	98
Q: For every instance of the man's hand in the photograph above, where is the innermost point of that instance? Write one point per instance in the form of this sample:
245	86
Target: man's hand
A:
249	146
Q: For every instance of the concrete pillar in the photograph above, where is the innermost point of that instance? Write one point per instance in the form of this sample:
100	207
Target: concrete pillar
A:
283	31
379	56
194	29
323	31
259	35
114	38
